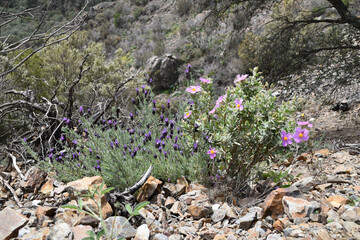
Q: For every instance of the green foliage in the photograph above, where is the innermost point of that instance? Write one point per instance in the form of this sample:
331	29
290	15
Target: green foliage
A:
57	67
100	150
245	139
96	195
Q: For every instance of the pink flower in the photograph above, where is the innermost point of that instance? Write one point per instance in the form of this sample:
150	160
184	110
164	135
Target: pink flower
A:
188	114
305	123
212	152
194	89
204	80
212	111
301	135
286	138
220	100
239	104
240	78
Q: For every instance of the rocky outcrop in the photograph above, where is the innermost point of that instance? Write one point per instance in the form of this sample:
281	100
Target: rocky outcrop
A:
163	71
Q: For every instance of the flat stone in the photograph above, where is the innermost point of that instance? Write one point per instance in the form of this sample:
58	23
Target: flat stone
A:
11	221
342	169
323	187
81	186
306	184
337	201
61	230
34	179
169	202
229	211
246	221
187	230
198	212
299	208
80	232
218	215
322	153
127	231
351	214
175	237
220	237
89	220
194	187
273	204
176	208
148	189
352	228
172	189
35	234
160	236
45	211
274	236
142	233
48	187
322	234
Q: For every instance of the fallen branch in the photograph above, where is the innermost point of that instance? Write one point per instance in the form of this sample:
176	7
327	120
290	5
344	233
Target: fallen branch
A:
12	191
126	195
15	165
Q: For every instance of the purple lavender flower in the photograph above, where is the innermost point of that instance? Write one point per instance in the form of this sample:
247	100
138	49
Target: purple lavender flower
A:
150	81
286	138
24	139
301	135
132	100
81	109
161	117
131	116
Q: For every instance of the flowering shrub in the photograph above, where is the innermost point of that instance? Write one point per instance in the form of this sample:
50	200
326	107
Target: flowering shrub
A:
122	150
243	126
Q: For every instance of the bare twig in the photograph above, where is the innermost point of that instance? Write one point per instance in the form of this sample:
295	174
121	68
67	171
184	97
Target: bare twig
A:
15	165
12	191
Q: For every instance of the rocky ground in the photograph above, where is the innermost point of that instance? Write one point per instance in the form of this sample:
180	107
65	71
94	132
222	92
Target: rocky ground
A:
323	202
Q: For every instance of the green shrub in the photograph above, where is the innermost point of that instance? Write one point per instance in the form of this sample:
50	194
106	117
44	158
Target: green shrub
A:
244	126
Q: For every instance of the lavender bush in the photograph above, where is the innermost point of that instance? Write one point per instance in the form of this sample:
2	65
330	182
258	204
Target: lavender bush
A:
122	150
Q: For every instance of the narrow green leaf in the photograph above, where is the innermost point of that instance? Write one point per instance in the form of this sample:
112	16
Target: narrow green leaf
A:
107	190
80	203
88	238
70	206
100	234
141	205
128	208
